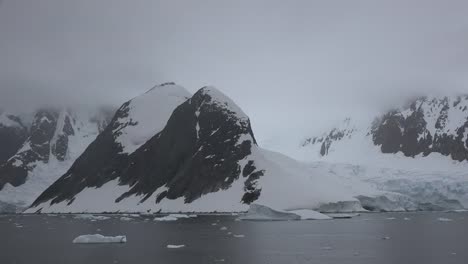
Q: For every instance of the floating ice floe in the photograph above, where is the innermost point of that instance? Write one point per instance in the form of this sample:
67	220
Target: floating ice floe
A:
91	217
97	238
166	218
175	246
174	217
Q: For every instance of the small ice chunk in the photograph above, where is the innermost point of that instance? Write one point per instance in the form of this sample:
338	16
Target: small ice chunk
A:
97	238
239	236
223	228
406	219
165	218
214	224
443	219
179	215
391	218
175	246
386	238
125	219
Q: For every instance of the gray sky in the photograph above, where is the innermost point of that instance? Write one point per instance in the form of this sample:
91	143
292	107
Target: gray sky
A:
291	65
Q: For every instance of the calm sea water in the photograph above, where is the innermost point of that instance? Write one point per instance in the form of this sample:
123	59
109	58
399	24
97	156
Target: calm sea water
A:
367	239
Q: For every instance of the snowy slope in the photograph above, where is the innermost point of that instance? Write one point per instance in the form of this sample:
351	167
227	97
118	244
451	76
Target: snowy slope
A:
205	159
142	117
56	138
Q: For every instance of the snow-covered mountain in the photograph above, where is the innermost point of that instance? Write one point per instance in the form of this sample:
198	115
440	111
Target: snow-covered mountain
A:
419	150
43	150
426	126
204	159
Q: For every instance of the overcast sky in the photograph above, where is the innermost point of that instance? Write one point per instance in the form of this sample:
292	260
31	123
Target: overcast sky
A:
291	65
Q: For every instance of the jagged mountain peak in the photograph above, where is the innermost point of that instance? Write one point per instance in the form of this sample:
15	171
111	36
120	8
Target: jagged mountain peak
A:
210	94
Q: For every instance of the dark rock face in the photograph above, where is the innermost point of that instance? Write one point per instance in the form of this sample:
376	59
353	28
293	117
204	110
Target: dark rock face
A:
198	152
425	128
11	138
60	146
36	148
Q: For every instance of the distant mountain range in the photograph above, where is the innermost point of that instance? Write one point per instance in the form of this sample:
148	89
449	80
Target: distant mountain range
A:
425	126
169	151
37	148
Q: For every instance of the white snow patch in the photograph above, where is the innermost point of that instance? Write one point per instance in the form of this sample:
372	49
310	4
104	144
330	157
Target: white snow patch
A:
148	115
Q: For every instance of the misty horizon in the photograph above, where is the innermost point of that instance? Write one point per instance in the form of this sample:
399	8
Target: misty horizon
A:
325	61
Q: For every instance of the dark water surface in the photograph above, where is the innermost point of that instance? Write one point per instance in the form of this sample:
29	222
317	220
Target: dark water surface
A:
420	238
